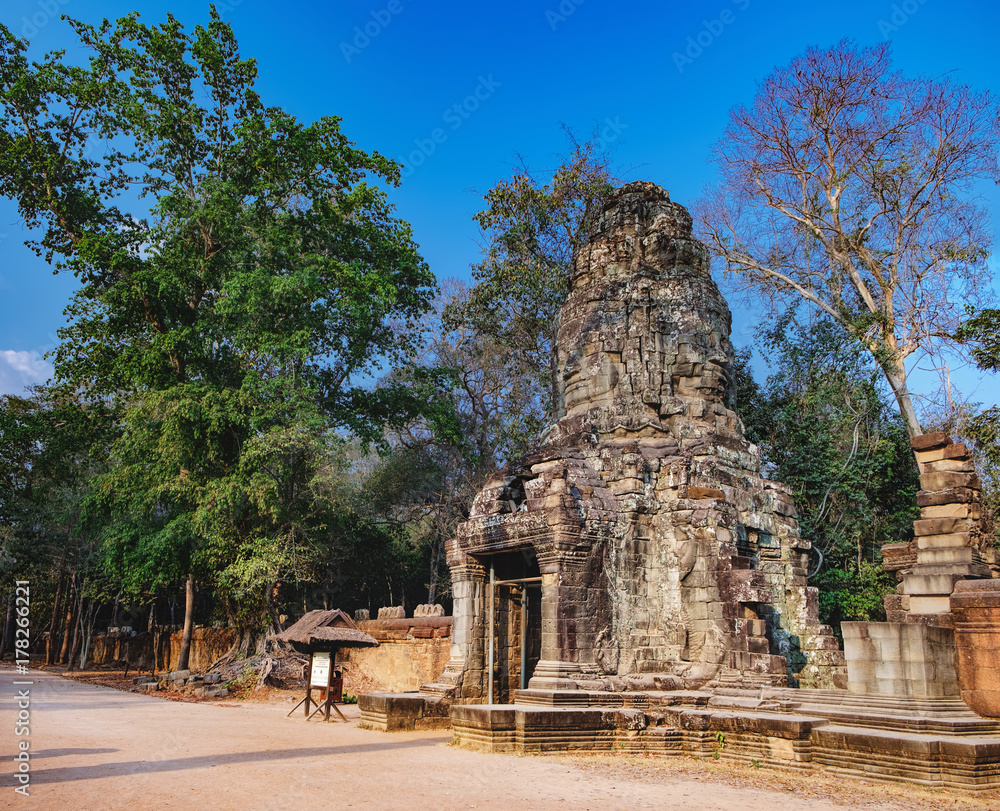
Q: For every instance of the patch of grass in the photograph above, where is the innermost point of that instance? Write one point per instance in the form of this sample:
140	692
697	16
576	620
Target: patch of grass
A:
720	744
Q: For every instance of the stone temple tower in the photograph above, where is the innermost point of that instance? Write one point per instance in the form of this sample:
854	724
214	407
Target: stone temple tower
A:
639	548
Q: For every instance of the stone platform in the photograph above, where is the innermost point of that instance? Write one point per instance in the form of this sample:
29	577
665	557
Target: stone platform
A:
403	712
938	743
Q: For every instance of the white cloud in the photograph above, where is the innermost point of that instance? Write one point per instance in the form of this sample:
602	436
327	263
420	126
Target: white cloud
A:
18	370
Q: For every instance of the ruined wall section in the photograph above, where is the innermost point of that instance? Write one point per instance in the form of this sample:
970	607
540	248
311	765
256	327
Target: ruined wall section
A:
953	538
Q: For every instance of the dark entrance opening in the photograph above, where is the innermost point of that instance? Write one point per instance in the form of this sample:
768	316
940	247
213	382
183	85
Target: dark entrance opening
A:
514	637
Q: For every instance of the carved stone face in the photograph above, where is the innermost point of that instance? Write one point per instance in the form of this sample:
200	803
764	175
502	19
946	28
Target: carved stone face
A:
645	324
702	367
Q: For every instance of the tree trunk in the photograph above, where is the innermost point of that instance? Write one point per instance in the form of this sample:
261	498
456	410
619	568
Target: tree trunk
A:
77	633
185	652
50	645
88	632
68	625
896	376
8	626
272	607
435	574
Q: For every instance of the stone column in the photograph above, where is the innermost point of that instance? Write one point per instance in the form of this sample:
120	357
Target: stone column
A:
567	633
947	532
464	675
975	605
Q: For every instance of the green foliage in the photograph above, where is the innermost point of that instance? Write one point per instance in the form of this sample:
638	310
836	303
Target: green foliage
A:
982	330
720	744
51	448
239	274
980	430
489	353
825	428
854	593
533	232
262	254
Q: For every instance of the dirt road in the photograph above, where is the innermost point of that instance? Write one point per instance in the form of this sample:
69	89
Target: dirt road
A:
96	748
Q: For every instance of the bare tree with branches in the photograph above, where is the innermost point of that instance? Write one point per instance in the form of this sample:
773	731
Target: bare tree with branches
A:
852	187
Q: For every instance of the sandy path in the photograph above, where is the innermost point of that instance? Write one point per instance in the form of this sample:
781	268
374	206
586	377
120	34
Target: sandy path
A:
96	748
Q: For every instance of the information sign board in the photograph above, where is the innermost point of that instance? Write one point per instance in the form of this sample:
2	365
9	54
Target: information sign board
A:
320	676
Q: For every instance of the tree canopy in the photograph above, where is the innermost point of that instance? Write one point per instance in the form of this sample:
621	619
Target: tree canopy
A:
826	429
852	187
981	429
241	274
533	232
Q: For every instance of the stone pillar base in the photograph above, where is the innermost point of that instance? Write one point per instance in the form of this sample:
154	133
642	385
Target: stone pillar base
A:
900	659
975	606
555	675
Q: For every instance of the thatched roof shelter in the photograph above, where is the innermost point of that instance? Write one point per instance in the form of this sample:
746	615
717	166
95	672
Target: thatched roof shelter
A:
323	630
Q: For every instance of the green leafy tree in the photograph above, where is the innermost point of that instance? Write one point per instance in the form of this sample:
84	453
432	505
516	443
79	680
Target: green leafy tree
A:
491	349
826	430
982	331
239	272
981	429
424	484
850	186
52	448
533	232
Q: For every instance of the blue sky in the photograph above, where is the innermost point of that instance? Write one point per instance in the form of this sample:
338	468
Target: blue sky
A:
655	79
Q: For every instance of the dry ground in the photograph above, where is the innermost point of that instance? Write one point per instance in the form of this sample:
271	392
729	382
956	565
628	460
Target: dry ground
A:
99	748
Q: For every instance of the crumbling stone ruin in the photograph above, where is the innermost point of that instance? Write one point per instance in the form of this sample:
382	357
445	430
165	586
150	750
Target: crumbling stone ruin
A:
637	585
952	538
943	630
641	539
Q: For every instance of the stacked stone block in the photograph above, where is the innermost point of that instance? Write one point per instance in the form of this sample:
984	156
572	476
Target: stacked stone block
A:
949	540
203	685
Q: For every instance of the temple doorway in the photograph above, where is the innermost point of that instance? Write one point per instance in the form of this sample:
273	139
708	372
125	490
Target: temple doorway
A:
514	636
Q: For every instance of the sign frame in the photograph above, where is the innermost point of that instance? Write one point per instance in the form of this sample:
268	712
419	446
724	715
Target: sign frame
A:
323	676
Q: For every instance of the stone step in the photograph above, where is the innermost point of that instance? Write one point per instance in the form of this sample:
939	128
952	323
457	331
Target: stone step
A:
210	692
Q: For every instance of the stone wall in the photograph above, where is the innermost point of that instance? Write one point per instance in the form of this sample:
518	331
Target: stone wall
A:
900	659
411	652
158	652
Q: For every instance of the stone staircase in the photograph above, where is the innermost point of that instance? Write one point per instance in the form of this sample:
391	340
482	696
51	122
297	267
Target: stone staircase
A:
948	716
